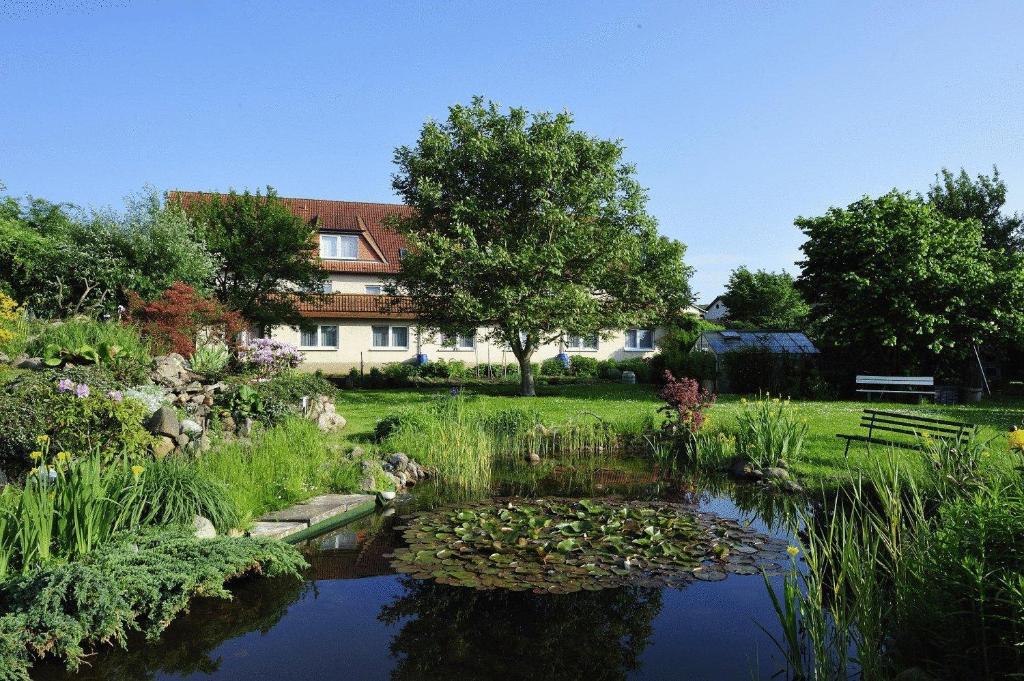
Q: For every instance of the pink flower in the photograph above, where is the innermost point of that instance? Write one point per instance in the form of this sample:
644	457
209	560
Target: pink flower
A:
65	385
82	390
116	395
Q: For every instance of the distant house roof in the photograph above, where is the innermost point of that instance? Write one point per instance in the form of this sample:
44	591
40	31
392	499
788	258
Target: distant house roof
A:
340	216
789	342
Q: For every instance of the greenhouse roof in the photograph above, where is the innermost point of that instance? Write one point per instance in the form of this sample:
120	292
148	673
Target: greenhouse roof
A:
789	342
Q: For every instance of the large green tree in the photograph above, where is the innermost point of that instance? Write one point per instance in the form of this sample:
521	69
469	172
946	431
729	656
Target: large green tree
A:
764	300
531	228
900	286
962	198
267	255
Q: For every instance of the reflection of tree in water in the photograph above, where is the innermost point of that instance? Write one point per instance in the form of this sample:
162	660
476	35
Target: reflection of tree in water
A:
187	646
453	632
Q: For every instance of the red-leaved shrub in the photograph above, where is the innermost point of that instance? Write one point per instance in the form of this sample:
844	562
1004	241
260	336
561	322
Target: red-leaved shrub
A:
175	320
685	402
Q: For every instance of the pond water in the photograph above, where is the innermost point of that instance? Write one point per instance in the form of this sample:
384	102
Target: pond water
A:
355	618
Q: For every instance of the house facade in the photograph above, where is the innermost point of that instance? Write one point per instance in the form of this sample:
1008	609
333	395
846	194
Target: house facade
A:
348	327
716	310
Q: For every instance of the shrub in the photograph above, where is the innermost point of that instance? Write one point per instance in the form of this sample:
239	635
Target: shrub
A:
583	366
454	368
175	320
81	340
268	356
639	366
13	327
399	373
685	403
210	359
77	416
291	386
553	366
605	367
390	424
138	582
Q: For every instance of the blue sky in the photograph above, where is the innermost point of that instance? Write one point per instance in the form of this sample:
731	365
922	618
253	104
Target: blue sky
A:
739	117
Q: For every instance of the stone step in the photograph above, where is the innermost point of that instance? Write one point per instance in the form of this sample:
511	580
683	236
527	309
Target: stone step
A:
275	530
289	521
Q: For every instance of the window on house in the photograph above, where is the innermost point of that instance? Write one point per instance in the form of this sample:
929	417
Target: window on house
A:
321	336
339	246
375	289
581	342
640	339
460	341
385	336
402	252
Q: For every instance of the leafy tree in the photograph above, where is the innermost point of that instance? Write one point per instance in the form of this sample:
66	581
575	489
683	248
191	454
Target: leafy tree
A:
174	320
264	250
531	228
900	286
764	300
982	199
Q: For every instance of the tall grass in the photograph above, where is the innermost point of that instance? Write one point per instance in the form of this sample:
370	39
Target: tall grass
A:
278	467
174	490
770	431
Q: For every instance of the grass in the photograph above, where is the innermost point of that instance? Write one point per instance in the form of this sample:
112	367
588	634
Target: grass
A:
820	463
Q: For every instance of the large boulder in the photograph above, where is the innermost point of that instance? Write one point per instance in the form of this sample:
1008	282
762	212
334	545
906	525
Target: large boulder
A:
26	362
164	421
204	528
163	446
323	412
172	371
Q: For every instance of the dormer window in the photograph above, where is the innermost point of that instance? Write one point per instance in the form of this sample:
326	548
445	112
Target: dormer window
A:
402	252
339	246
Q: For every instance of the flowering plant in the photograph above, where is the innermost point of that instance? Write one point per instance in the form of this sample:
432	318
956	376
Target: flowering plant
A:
685	402
267	356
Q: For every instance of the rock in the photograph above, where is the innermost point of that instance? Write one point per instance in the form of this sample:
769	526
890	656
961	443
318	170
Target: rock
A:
190	427
4	359
171	370
323	412
30	363
386	495
533	459
398	460
245	428
164	421
781	464
3	479
228	424
357	453
194	387
792	486
164	446
204	528
776	472
205	443
182	440
403	479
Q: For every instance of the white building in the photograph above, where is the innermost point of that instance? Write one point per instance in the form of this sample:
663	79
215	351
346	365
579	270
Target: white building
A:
716	310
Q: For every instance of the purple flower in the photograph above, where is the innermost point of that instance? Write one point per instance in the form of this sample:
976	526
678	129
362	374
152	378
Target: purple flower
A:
116	395
65	385
82	390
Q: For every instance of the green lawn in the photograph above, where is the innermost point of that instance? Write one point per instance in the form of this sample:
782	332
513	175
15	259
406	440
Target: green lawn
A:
821	465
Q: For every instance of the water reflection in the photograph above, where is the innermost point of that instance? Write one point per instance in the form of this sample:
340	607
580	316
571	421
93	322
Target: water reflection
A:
464	633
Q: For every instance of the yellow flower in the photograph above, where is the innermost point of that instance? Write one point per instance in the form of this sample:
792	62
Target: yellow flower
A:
42	439
35	456
137	470
1017	439
792	550
63	457
743	400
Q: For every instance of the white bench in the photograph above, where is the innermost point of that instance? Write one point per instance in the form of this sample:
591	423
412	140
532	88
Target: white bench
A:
899	385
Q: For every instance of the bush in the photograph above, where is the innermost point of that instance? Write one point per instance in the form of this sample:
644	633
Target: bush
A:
453	368
398	374
138	582
392	423
685	404
14	327
583	366
116	346
174	321
48	403
210	359
701	366
639	366
290	387
268	356
553	366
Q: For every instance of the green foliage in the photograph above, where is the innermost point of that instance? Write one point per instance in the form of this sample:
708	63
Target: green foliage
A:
770	431
899	287
526	244
583	366
961	198
31	405
14	327
252	272
283	465
289	387
641	367
392	423
81	340
754	370
553	366
210	359
137	582
764	300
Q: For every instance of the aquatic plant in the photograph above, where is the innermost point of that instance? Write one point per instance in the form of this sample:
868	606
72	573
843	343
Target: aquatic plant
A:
769	431
562	545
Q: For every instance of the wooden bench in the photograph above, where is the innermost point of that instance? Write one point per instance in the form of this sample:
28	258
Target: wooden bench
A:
905	424
897	385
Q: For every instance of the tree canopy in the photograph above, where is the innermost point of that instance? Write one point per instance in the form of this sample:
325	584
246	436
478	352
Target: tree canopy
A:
900	286
264	251
982	199
764	300
529	227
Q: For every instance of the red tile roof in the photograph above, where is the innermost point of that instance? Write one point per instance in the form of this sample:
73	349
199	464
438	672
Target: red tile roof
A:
348	216
356	306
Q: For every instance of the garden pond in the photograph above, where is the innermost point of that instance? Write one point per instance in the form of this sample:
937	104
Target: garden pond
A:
626	576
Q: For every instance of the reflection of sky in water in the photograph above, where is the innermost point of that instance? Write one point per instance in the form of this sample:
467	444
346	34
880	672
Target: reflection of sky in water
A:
334	630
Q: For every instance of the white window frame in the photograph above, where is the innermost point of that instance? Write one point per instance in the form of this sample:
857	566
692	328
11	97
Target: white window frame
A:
453	343
338	241
320	337
391	337
579	343
379	289
635	347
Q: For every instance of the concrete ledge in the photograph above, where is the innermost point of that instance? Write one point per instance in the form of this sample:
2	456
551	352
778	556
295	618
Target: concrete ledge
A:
275	530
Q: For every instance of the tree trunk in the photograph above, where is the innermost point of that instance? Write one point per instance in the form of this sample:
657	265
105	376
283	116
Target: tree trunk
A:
526	382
